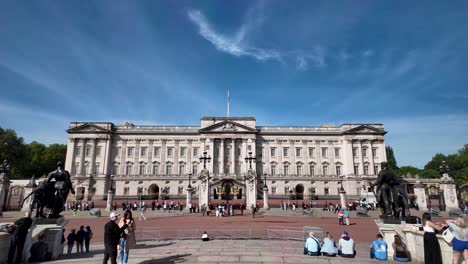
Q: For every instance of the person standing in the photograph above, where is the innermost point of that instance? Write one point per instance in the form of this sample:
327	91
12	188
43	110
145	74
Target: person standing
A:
340	217
112	233
346	216
460	239
128	240
242	208
71	241
79	238
378	248
88	237
253	211
142	211
432	254
18	238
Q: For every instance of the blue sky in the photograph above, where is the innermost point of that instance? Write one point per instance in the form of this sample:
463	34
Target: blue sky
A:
400	63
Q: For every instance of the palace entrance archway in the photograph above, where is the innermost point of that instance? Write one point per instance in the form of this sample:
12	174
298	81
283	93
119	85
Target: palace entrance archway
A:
299	192
153	191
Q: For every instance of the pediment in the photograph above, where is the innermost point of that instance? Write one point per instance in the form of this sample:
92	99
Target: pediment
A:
365	129
227	126
87	128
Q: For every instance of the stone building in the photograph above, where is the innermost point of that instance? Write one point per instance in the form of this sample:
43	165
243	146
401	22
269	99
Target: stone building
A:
142	161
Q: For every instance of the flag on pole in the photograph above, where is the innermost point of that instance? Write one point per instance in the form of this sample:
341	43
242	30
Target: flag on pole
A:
228	102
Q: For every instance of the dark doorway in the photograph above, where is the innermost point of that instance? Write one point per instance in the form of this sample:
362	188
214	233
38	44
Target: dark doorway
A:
299	192
153	191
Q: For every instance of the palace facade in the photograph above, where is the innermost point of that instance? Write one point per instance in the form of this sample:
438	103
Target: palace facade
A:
141	161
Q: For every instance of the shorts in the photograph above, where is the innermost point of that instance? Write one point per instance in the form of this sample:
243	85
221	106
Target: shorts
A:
459	245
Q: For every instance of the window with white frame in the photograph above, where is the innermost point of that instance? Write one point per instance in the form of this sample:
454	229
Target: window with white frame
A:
194	169
273	152
77	151
311	152
337	153
298	152
117	151
141	170
195	152
364	152
168	169
155	169
338	170
183	151
325	169
286	190
76	168
356	169
130	151
181	169
312	170
98	151
326	190
86	170
273	170
116	169
374	152
143	151
126	191
285	152
128	169
324	152
299	170
170	152
157	151
88	151
355	152
286	169
366	169
376	169
273	190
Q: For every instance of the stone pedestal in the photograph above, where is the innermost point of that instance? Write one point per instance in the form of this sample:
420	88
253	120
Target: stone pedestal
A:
251	189
53	230
204	188
4	187
265	198
450	194
110	199
343	198
31	186
421	200
189	198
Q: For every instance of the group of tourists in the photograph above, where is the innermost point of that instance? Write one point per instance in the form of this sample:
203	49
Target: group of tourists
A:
345	248
343	217
80	238
79	206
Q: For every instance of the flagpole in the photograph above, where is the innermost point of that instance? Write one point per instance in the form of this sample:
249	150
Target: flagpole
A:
228	102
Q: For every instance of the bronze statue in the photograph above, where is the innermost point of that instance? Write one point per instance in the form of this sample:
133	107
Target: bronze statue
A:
391	196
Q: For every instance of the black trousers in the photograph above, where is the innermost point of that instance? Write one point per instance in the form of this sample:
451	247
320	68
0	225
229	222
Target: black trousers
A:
110	253
16	246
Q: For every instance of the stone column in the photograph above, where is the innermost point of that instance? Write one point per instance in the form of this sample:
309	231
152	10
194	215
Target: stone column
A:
110	199
251	189
82	157
343	198
450	194
221	157
4	187
420	195
233	156
189	198
265	197
204	188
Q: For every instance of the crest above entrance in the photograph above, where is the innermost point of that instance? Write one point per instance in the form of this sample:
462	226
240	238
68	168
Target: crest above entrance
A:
228	124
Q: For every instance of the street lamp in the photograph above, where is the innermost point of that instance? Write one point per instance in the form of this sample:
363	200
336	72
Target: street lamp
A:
189	177
265	181
249	160
205	159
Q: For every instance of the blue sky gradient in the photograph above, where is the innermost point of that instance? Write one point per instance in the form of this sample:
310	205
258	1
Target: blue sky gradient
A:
400	63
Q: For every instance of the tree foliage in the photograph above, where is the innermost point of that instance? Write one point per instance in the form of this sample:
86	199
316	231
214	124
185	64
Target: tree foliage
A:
29	159
391	161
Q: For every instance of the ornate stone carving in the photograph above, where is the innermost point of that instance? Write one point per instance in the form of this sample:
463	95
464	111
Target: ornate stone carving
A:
229	127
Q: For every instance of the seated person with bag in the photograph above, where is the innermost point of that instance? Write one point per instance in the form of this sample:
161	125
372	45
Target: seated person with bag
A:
312	245
328	248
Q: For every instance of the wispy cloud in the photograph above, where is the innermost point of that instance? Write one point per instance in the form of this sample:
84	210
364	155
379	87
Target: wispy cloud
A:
234	45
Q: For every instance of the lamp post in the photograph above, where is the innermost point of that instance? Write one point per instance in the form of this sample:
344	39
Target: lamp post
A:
205	178
205	159
265	192
249	160
4	184
342	193
110	194
189	194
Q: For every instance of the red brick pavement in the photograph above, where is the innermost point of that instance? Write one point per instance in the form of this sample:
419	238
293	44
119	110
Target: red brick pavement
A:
361	229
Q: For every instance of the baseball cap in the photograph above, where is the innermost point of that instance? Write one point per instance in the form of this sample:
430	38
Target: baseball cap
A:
344	233
114	214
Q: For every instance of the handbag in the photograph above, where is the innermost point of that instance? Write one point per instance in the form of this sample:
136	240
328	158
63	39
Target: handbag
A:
448	235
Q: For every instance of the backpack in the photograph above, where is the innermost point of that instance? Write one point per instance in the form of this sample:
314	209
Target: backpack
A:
90	234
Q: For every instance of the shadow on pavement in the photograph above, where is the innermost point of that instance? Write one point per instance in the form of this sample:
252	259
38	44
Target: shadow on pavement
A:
169	260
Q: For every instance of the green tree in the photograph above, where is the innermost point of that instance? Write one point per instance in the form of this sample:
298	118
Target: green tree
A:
408	169
14	150
53	153
35	158
392	164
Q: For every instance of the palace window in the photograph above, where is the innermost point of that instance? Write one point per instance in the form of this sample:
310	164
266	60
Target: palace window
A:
273	170
155	169
273	152
376	169
286	170
182	152
356	169
355	152
157	151
286	190
312	170
96	168
117	151
126	191
195	169
143	151
76	168
337	152
88	151
228	151
324	152
140	191
128	170
116	169
338	170
98	151
168	169
78	151
180	190
238	151
195	152
273	190
311	152
326	190
181	169
86	168
170	151
130	151
142	169
364	152
366	170
285	152
374	152
325	170
249	148
299	170
298	152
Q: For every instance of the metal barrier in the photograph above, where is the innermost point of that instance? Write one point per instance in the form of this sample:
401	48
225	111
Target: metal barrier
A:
271	232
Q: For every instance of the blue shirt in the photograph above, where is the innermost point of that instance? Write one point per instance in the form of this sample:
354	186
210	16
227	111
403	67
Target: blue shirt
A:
380	249
329	246
312	244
